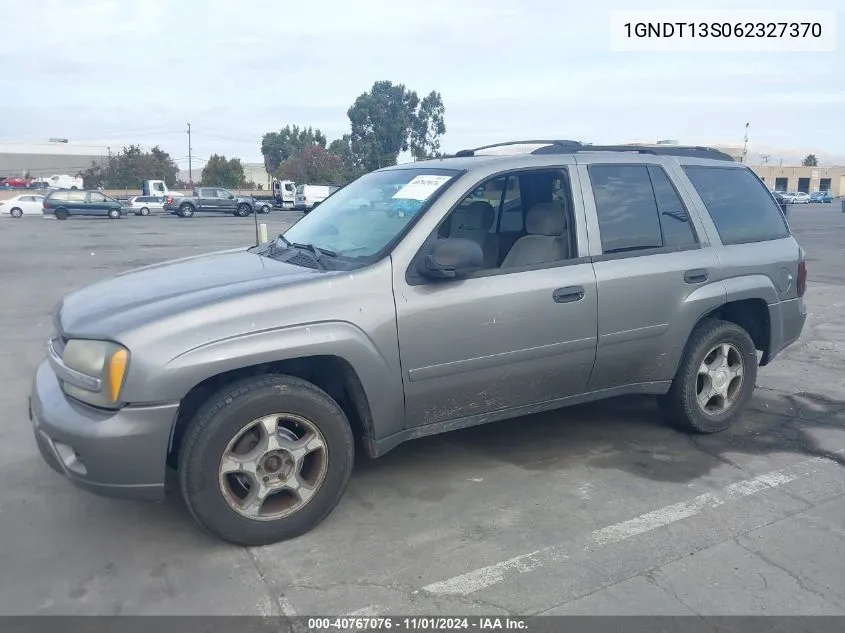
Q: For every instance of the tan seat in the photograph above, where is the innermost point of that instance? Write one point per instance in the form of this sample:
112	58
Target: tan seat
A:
547	239
473	222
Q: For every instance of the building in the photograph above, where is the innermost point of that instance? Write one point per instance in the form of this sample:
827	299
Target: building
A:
57	156
253	172
806	179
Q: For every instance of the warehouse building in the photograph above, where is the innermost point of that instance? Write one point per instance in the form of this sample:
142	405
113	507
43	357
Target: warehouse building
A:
804	179
57	156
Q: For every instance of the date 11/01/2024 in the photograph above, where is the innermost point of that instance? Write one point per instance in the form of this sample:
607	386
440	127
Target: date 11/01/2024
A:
724	29
418	623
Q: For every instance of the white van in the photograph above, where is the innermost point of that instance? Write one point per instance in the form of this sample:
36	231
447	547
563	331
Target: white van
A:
307	195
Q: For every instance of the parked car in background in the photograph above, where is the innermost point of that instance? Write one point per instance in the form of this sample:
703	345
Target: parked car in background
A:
307	195
61	181
821	196
801	198
22	205
210	199
142	205
17	182
63	204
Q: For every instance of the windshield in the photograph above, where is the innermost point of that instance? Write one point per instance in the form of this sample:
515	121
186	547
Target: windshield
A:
365	216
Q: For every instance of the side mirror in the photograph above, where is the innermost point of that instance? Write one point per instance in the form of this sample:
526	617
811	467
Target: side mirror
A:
451	258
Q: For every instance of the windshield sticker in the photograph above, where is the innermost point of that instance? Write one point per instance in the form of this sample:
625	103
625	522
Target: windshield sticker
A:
421	187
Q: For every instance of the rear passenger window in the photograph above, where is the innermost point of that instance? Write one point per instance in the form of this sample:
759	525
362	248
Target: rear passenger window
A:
741	207
674	219
626	208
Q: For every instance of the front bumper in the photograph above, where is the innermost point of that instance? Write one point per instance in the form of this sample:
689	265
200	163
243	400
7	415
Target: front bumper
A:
109	453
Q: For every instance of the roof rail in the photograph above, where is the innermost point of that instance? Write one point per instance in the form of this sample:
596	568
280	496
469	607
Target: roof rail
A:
691	151
556	143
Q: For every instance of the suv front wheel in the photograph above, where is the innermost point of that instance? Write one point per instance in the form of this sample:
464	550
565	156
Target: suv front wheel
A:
265	460
715	380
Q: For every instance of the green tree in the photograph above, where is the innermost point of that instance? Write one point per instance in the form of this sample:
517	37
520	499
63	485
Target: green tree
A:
427	126
277	147
810	161
390	119
220	172
313	165
351	167
129	167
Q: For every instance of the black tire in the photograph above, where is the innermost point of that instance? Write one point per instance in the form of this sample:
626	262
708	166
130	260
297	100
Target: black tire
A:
61	214
186	210
243	210
16	212
74	188
222	417
680	406
114	214
144	211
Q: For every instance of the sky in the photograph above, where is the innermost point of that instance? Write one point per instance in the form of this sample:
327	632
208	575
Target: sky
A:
115	72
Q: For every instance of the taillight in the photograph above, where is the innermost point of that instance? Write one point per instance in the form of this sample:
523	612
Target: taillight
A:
169	199
802	277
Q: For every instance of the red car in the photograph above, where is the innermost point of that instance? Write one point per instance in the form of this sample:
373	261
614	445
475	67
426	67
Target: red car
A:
17	181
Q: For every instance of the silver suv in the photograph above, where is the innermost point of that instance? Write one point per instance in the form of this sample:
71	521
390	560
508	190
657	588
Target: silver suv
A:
421	298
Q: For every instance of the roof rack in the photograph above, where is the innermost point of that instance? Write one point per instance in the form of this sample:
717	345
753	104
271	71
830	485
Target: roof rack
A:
556	143
574	147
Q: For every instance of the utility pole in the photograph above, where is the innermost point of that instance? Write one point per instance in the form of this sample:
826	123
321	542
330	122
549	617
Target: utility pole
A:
190	168
745	146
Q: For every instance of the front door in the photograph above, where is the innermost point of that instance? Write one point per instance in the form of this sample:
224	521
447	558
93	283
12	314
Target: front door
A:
226	201
97	204
518	333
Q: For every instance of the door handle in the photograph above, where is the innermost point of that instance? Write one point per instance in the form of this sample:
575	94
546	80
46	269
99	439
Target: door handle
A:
568	294
697	276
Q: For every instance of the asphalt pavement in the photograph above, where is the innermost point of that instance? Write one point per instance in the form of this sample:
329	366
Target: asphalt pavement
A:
597	509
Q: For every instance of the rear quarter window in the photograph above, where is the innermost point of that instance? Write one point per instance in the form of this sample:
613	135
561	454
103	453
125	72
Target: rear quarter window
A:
742	208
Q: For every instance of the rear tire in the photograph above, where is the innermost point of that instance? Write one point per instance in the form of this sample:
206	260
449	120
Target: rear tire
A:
266	208
144	211
243	210
16	212
186	210
214	432
701	369
61	214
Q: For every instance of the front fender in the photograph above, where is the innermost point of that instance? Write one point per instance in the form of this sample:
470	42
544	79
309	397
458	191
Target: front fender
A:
381	381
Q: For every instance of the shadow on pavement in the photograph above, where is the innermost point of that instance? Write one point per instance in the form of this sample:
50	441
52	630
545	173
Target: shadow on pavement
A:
626	434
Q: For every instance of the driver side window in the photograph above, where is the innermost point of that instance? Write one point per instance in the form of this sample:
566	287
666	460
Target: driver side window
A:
520	219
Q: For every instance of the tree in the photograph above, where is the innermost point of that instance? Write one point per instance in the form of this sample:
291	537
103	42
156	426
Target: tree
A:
810	161
427	127
389	119
220	172
277	147
313	164
351	167
128	168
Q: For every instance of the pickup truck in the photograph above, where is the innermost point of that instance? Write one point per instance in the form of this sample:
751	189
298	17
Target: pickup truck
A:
210	199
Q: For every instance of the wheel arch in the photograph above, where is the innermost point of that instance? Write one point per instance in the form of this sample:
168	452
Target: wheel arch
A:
333	374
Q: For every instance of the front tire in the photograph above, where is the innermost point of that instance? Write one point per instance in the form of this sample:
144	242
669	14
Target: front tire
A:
114	214
16	213
265	459
715	380
266	208
242	211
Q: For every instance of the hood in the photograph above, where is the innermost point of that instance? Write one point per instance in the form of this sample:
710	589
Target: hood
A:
142	295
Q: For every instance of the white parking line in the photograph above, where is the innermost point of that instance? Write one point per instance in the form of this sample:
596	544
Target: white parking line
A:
478	579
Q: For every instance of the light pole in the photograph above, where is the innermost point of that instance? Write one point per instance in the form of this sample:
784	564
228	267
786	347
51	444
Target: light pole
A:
745	145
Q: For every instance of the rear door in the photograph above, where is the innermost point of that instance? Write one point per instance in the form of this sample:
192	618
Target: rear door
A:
208	200
654	272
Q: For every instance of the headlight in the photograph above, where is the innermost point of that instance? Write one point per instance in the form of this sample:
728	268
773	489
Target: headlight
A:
103	360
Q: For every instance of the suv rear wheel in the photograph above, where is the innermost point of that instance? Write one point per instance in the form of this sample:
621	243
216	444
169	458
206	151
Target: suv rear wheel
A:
715	380
186	210
242	211
265	460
